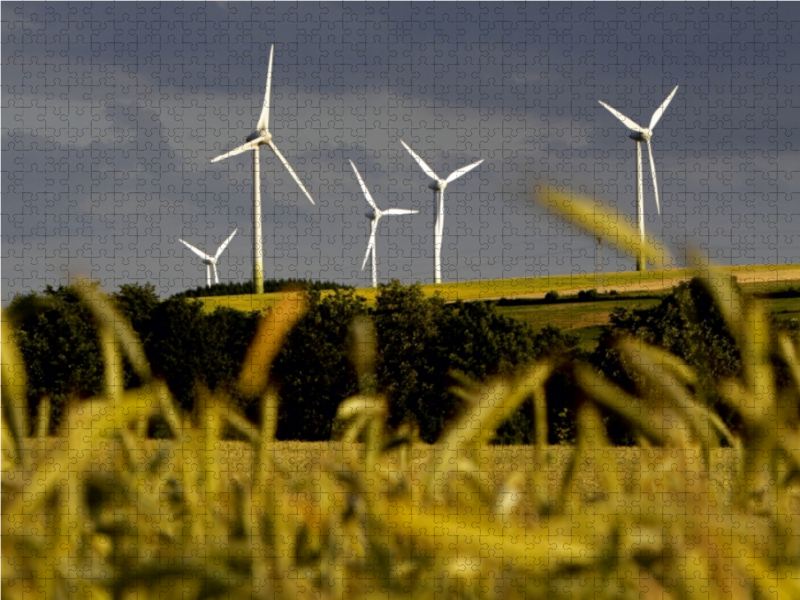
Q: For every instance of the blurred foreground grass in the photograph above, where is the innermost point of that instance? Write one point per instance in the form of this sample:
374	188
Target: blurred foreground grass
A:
103	512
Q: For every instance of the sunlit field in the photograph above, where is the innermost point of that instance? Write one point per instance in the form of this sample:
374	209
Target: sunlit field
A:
537	287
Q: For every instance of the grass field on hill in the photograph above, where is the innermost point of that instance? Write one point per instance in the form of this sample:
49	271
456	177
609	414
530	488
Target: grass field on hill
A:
586	317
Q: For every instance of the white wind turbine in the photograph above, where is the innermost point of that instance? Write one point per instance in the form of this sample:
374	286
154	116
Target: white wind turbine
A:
374	217
438	186
261	137
210	261
641	134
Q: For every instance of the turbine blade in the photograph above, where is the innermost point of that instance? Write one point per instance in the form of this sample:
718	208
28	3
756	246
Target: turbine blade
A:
461	172
208	276
660	111
289	168
653	173
628	123
400	211
216	274
243	148
197	251
367	195
263	120
371	244
225	244
423	165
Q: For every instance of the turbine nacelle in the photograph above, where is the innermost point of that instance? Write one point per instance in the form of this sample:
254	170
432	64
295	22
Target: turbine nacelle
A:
264	136
437	186
641	136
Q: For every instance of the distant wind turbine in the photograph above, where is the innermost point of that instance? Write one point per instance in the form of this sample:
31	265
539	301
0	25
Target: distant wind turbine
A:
375	216
641	134
210	261
261	137
438	186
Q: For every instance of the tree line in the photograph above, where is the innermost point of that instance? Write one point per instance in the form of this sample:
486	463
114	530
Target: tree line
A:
420	340
270	286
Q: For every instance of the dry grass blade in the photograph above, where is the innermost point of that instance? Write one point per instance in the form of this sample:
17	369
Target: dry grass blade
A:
110	320
788	351
747	323
13	383
493	403
472	534
628	406
486	407
598	221
168	410
43	419
363	350
653	355
592	438
666	393
270	333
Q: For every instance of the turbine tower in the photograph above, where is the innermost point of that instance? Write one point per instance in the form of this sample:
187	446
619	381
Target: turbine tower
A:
438	186
210	261
641	134
261	137
375	216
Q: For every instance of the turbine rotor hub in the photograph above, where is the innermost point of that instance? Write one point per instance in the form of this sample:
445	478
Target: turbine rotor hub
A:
259	134
437	185
641	136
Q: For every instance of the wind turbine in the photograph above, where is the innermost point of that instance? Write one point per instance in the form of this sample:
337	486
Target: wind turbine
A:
641	134
210	261
375	216
261	137
438	186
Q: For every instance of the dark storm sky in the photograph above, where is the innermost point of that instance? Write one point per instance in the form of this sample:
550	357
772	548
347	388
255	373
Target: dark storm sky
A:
111	113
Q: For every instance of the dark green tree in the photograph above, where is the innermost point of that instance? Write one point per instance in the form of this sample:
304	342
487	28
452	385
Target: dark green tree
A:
411	369
58	341
136	303
481	342
421	340
176	347
312	371
229	334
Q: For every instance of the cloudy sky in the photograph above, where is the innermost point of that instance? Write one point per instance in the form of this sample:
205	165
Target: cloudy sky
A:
111	113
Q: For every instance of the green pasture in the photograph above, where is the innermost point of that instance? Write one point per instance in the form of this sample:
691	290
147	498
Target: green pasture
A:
527	287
